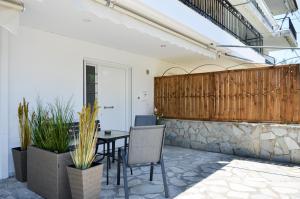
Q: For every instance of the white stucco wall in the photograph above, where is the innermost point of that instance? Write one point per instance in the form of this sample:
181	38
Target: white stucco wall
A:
49	66
3	103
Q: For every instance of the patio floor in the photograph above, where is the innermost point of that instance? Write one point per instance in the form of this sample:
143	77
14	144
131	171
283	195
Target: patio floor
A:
196	174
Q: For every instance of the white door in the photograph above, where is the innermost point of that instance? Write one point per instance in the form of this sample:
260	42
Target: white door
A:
112	97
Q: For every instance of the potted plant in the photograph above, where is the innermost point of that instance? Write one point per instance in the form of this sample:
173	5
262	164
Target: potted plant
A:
85	175
20	153
49	155
158	114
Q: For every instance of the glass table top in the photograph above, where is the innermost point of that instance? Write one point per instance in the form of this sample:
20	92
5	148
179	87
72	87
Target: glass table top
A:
115	134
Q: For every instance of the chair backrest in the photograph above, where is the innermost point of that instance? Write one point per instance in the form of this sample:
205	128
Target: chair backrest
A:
145	120
145	144
98	127
74	127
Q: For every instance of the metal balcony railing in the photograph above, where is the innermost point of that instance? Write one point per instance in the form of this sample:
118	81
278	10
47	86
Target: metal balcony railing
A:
223	14
292	28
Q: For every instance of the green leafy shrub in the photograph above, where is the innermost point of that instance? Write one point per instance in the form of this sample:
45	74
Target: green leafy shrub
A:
50	126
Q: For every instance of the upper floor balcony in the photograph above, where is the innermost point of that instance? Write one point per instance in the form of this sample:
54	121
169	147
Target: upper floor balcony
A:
288	25
227	17
285	35
260	13
279	7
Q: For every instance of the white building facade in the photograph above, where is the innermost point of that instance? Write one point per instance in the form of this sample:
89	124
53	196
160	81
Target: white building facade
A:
46	48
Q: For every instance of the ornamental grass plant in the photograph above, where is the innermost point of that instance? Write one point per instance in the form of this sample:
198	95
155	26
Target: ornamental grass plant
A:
24	125
85	142
50	126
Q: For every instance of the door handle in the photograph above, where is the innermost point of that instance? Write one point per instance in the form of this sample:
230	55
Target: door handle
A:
108	107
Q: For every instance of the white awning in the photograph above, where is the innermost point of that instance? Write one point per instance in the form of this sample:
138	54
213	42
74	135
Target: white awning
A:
145	26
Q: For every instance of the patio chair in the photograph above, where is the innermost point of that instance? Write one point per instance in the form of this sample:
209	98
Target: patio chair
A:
74	130
145	120
99	142
145	149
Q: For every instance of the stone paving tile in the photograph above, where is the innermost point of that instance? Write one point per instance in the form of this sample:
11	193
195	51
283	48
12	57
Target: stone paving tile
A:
195	174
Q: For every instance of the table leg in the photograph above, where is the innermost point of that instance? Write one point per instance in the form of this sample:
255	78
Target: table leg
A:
107	163
113	150
109	156
119	166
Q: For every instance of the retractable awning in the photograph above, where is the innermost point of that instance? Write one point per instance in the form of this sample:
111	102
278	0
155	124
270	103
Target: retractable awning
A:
134	16
10	14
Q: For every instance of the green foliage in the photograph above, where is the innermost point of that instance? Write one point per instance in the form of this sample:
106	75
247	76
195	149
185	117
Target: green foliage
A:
50	126
24	127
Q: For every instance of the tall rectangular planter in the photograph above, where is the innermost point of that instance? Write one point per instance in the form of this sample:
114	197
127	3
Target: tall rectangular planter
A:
20	163
47	173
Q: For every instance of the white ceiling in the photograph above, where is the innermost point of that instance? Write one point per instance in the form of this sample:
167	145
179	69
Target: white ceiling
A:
66	18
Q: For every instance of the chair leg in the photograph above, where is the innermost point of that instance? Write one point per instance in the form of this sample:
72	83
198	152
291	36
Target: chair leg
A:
151	172
130	170
164	177
125	175
96	151
119	167
103	151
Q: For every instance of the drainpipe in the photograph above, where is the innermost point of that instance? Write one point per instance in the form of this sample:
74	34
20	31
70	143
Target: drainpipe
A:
19	6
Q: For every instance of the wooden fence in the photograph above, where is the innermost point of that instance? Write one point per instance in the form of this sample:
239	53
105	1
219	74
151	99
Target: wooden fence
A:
253	95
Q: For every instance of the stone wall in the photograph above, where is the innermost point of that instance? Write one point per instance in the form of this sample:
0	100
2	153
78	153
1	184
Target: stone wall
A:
260	140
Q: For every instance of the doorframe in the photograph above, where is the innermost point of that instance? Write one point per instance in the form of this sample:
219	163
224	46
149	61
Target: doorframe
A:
128	83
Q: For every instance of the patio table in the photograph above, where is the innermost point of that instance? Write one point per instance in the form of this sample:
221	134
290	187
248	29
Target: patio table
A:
111	138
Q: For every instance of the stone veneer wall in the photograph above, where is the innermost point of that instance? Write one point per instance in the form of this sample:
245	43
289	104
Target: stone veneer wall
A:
276	142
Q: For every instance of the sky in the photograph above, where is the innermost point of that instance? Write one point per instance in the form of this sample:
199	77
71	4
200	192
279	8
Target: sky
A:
283	55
